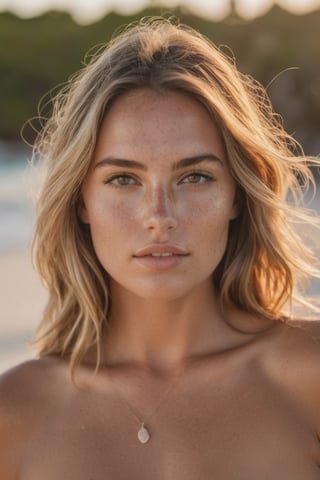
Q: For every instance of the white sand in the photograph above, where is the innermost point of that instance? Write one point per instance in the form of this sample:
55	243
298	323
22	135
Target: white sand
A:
22	302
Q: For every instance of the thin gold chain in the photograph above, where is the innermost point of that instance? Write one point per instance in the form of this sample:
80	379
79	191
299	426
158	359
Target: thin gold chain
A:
164	397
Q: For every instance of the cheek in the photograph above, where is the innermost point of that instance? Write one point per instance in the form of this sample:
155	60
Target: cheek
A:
103	211
215	210
209	221
108	222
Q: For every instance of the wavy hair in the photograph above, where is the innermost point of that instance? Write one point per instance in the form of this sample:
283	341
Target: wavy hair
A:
265	260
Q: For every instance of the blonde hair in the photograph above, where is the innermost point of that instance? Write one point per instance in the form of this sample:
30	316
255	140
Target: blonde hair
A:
265	259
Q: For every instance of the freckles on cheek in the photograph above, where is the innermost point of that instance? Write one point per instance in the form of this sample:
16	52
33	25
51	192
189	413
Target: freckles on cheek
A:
120	215
105	210
109	229
211	220
123	209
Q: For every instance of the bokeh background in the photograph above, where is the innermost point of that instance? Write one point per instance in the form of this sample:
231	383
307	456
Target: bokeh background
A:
42	42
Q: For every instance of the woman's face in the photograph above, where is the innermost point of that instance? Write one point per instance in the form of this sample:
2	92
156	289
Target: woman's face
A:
159	195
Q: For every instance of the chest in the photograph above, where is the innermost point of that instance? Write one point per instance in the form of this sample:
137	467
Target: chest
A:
237	428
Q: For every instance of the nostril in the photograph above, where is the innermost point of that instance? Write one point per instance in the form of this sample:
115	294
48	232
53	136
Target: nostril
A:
165	225
160	223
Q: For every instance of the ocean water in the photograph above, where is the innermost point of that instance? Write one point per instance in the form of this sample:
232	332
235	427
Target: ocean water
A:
16	205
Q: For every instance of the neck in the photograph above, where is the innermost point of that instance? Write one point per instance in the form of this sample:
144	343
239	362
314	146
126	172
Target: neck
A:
162	334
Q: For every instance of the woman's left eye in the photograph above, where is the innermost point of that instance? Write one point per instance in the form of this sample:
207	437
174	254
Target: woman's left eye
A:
196	178
121	180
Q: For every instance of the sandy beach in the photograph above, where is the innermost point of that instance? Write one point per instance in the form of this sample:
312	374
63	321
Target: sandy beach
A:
22	302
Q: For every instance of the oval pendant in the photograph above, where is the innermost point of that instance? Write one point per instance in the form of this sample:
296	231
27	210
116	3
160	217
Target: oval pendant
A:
143	434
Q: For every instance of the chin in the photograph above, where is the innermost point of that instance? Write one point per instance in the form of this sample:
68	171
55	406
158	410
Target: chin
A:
158	291
162	296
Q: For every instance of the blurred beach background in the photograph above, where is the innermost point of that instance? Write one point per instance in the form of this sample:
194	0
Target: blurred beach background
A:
42	42
22	296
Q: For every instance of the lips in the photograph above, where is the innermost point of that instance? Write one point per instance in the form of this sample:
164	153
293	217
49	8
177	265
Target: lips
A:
164	250
165	254
161	257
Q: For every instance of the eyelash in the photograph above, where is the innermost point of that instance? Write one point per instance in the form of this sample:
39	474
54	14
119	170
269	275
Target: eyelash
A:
208	178
112	180
117	177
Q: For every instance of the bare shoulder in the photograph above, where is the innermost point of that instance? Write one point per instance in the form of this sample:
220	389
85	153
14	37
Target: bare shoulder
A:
299	341
293	361
28	383
296	347
25	393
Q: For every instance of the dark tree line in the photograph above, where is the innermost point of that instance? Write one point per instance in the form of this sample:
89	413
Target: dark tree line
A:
279	49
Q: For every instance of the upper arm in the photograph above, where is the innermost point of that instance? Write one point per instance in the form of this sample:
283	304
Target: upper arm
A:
9	431
303	362
17	401
8	448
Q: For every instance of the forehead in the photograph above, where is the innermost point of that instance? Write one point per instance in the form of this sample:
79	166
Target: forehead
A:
147	122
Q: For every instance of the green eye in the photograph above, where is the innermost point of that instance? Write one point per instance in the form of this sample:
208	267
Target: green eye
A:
121	180
197	178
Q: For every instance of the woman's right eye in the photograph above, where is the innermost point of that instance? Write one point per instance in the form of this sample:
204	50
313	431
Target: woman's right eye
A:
121	180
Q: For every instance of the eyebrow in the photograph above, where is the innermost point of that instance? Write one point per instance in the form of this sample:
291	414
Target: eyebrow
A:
183	163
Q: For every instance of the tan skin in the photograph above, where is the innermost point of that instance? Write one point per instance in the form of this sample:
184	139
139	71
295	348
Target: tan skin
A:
246	404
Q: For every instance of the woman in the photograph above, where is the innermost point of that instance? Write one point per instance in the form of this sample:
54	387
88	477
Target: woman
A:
167	349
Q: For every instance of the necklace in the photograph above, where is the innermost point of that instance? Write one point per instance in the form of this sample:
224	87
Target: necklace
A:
144	434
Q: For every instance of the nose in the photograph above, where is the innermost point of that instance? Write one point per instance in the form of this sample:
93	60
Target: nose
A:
159	216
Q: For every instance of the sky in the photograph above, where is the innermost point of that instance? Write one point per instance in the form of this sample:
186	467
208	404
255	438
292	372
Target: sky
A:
86	11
